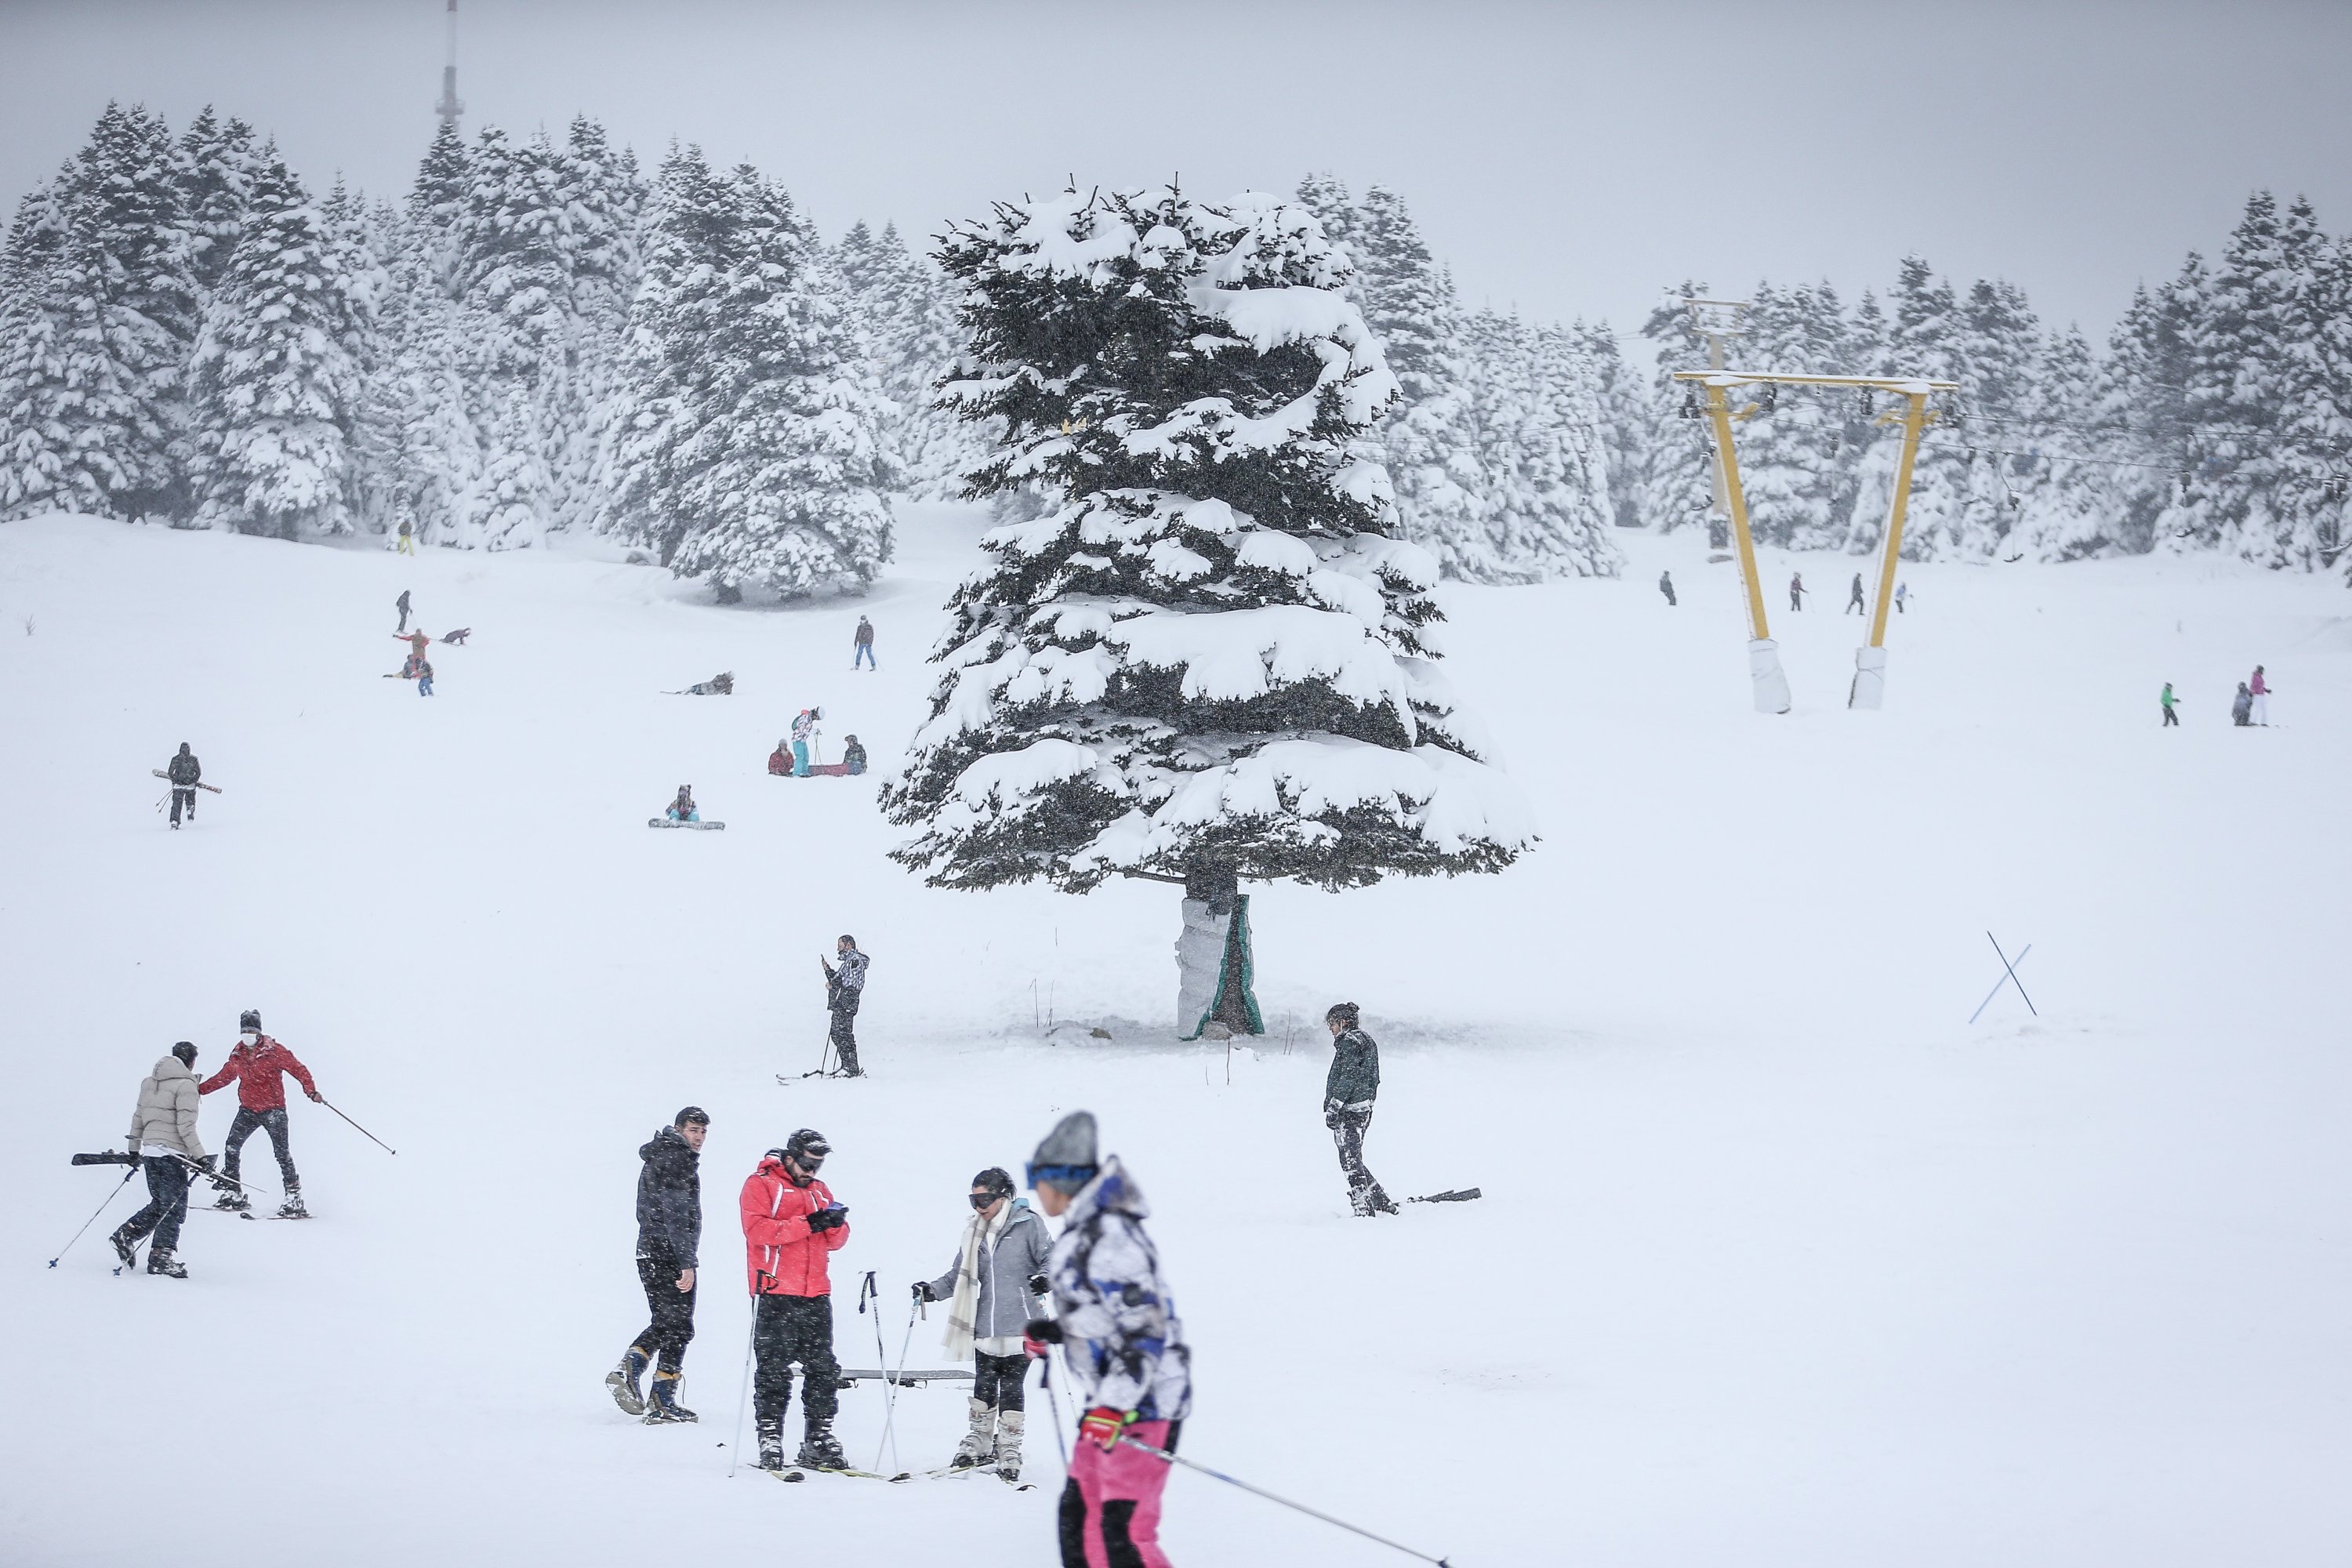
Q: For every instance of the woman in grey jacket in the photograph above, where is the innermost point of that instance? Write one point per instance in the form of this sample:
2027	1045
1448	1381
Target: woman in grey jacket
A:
163	1134
993	1290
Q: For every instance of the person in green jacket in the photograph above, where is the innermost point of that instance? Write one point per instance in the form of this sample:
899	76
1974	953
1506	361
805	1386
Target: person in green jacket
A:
2168	700
1353	1084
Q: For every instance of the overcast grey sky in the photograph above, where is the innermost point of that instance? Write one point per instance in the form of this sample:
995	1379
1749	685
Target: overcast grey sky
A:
1570	158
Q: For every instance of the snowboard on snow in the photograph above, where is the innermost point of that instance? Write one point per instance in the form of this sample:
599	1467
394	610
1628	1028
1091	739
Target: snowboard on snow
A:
666	822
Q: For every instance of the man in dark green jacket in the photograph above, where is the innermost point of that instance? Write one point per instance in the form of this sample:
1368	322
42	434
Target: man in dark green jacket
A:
1348	1095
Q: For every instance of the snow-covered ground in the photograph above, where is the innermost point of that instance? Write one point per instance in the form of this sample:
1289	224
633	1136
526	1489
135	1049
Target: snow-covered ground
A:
1779	1260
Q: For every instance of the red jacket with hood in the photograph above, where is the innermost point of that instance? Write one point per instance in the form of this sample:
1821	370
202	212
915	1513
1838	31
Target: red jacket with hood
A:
783	1255
258	1070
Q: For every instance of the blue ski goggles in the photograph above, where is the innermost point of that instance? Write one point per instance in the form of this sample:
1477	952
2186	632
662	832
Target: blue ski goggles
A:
1062	1175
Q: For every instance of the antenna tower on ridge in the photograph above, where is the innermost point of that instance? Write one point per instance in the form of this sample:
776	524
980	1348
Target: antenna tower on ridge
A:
448	109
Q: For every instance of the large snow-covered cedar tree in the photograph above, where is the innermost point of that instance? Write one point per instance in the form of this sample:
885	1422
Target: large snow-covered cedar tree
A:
1211	662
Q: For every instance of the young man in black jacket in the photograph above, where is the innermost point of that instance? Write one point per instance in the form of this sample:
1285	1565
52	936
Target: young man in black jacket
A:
1348	1092
669	1230
186	773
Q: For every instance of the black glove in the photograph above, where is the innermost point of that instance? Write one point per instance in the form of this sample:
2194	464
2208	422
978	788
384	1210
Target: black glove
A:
1039	1284
1044	1330
923	1291
205	1164
825	1219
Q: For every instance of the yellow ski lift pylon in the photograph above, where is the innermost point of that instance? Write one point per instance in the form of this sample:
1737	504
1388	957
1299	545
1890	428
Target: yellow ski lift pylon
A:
1770	685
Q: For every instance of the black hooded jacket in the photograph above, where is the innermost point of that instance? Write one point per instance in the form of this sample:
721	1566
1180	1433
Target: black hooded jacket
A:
670	1201
185	770
1355	1076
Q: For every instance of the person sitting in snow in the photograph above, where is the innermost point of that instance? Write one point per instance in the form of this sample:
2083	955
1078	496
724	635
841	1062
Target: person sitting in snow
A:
682	808
853	756
719	685
458	638
780	761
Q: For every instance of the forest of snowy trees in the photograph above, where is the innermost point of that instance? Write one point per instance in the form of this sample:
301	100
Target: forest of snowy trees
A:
545	337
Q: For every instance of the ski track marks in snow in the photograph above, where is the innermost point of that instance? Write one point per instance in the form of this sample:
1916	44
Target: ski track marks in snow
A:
1779	1262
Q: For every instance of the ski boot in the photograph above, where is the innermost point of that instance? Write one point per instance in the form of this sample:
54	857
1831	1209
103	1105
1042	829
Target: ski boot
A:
663	1408
623	1381
771	1442
292	1207
126	1248
820	1450
1008	1444
1381	1201
232	1200
166	1265
979	1444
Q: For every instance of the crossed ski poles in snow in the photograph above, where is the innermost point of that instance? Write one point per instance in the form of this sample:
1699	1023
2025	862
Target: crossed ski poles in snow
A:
2009	977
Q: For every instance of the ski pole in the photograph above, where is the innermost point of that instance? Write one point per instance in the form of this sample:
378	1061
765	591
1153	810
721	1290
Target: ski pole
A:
362	1132
869	1290
1046	1371
890	1399
197	1170
93	1218
749	1342
1162	1453
2008	976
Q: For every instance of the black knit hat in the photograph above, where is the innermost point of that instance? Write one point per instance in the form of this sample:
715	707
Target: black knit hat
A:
249	1019
186	1051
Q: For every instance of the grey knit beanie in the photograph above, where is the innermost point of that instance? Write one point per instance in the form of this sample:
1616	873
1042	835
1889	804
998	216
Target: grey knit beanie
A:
1066	1161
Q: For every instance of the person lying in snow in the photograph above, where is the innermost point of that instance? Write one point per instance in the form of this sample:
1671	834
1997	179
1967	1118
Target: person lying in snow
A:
719	685
682	808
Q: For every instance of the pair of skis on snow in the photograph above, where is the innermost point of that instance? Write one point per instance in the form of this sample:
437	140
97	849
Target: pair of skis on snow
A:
802	1472
666	822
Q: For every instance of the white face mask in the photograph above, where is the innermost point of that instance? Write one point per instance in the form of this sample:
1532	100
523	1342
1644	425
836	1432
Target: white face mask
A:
252	1037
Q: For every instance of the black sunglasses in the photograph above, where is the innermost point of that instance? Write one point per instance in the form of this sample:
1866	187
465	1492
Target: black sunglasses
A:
981	1200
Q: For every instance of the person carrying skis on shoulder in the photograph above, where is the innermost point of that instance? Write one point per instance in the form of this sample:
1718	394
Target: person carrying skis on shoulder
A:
845	988
992	1290
186	773
863	645
791	1225
257	1065
1122	1345
163	1135
1348	1092
669	1233
682	808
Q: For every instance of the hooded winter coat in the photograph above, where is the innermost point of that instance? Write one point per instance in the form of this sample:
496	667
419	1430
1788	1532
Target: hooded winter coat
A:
185	770
1006	1305
782	1256
1118	1323
1355	1076
165	1116
670	1201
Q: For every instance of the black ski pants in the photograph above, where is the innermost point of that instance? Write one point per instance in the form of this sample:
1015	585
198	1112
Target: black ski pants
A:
845	1035
1000	1382
270	1121
788	1329
664	1339
2170	716
1347	1128
167	1204
183	795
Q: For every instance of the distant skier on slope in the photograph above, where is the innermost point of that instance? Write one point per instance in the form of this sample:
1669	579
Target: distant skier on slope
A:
1122	1345
845	988
1666	587
992	1288
1348	1092
669	1236
803	736
1855	602
2242	707
1797	591
163	1135
186	773
791	1225
401	605
416	640
862	646
2166	700
682	809
2261	693
1902	597
257	1065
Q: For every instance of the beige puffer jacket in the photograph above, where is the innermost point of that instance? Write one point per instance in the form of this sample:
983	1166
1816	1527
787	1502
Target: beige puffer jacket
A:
166	1115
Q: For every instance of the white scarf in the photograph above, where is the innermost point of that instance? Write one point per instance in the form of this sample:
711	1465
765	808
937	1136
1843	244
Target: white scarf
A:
963	1307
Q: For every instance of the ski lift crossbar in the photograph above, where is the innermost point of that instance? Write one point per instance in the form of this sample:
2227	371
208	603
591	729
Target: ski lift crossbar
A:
1904	384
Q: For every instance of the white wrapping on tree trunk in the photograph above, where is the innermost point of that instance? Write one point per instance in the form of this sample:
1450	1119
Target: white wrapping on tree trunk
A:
1199	955
1869	679
1764	672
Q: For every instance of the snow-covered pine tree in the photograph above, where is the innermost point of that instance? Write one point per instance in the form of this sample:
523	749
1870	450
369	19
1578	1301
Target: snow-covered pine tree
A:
1624	419
1678	474
2067	508
40	468
440	444
604	204
1537	448
215	166
750	455
1922	340
275	387
1213	662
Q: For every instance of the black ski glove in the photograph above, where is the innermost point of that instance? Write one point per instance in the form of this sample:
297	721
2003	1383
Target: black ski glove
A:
205	1164
1044	1330
923	1291
826	1219
1039	1284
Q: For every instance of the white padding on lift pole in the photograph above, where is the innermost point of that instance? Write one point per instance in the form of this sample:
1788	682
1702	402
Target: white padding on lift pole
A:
1764	673
1869	679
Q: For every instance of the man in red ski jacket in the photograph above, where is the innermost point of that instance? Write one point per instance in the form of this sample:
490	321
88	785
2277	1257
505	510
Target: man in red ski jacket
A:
259	1065
791	1224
